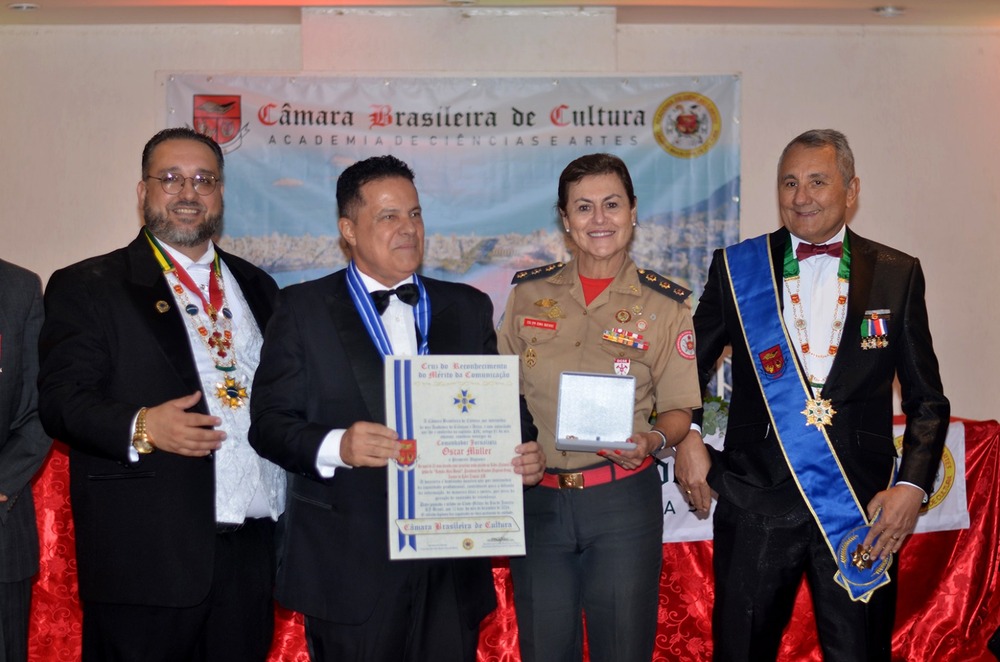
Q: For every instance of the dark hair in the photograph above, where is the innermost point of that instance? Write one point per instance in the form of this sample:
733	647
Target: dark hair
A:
826	138
181	133
355	176
593	164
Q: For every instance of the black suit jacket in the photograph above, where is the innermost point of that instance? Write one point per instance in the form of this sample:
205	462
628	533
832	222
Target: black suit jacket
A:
319	371
23	444
751	470
114	341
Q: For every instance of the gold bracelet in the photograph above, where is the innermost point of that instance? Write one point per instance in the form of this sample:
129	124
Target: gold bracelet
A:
141	441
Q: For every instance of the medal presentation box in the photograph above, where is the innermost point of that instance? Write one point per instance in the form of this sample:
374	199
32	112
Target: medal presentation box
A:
594	412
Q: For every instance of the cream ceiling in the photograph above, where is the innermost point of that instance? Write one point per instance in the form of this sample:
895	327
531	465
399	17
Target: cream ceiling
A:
945	13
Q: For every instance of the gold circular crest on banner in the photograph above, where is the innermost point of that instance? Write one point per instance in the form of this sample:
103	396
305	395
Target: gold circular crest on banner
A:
944	479
687	125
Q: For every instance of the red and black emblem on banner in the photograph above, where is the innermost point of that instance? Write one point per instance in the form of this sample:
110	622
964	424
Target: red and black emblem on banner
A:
773	361
407	452
218	116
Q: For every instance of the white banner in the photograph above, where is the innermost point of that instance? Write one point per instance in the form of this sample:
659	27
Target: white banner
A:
487	153
946	508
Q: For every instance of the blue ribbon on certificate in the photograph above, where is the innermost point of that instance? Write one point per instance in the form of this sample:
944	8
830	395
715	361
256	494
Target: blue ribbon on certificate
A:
406	490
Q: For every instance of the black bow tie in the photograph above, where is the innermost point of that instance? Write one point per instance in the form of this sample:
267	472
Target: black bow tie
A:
408	293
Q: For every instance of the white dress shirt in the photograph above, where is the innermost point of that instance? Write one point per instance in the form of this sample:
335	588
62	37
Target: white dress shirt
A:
400	325
818	291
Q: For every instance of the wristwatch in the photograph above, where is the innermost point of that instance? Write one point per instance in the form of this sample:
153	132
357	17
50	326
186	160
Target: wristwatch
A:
141	441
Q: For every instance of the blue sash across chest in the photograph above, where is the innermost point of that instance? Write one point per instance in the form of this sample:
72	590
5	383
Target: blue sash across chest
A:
806	446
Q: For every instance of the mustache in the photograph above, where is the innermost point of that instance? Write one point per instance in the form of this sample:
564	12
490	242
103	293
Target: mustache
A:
176	234
187	204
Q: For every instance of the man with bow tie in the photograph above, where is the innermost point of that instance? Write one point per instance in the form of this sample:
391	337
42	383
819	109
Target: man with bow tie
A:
147	354
820	321
318	411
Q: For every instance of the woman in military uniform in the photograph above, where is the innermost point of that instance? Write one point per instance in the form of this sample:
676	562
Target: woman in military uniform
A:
594	524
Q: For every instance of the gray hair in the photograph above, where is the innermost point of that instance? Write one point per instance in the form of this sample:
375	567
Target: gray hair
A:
824	138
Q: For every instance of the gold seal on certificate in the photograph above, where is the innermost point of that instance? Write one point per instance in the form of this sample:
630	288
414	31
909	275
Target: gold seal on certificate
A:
453	492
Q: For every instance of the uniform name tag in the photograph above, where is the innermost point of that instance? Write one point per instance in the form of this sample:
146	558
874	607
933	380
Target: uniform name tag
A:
540	324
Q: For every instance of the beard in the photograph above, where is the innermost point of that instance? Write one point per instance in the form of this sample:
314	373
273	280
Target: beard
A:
177	235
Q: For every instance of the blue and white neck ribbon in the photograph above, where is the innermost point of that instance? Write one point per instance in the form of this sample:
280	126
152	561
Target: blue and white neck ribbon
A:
373	321
405	478
807	448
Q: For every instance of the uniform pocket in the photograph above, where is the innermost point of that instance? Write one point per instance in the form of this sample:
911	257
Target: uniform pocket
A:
619	351
534	331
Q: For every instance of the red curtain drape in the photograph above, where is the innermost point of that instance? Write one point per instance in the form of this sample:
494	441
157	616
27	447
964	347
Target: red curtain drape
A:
948	599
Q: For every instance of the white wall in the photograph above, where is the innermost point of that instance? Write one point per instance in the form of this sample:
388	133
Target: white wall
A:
920	109
77	104
76	107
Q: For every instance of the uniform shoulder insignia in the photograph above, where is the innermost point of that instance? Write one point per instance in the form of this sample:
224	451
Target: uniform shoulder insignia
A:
655	281
537	272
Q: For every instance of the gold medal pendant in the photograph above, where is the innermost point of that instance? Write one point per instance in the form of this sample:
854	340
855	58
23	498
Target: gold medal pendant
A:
819	412
861	557
231	393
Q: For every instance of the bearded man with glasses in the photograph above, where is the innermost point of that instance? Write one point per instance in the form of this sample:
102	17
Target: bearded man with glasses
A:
147	359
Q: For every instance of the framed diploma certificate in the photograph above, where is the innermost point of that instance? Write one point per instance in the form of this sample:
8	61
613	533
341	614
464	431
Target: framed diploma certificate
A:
453	492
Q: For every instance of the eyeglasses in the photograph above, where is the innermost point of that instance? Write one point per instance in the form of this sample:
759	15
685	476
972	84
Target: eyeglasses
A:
173	184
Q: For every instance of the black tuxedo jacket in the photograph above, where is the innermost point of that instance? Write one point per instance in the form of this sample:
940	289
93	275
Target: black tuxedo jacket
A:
23	444
751	470
319	371
114	341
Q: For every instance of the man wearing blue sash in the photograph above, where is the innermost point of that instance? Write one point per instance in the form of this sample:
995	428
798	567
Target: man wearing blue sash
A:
820	321
318	410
